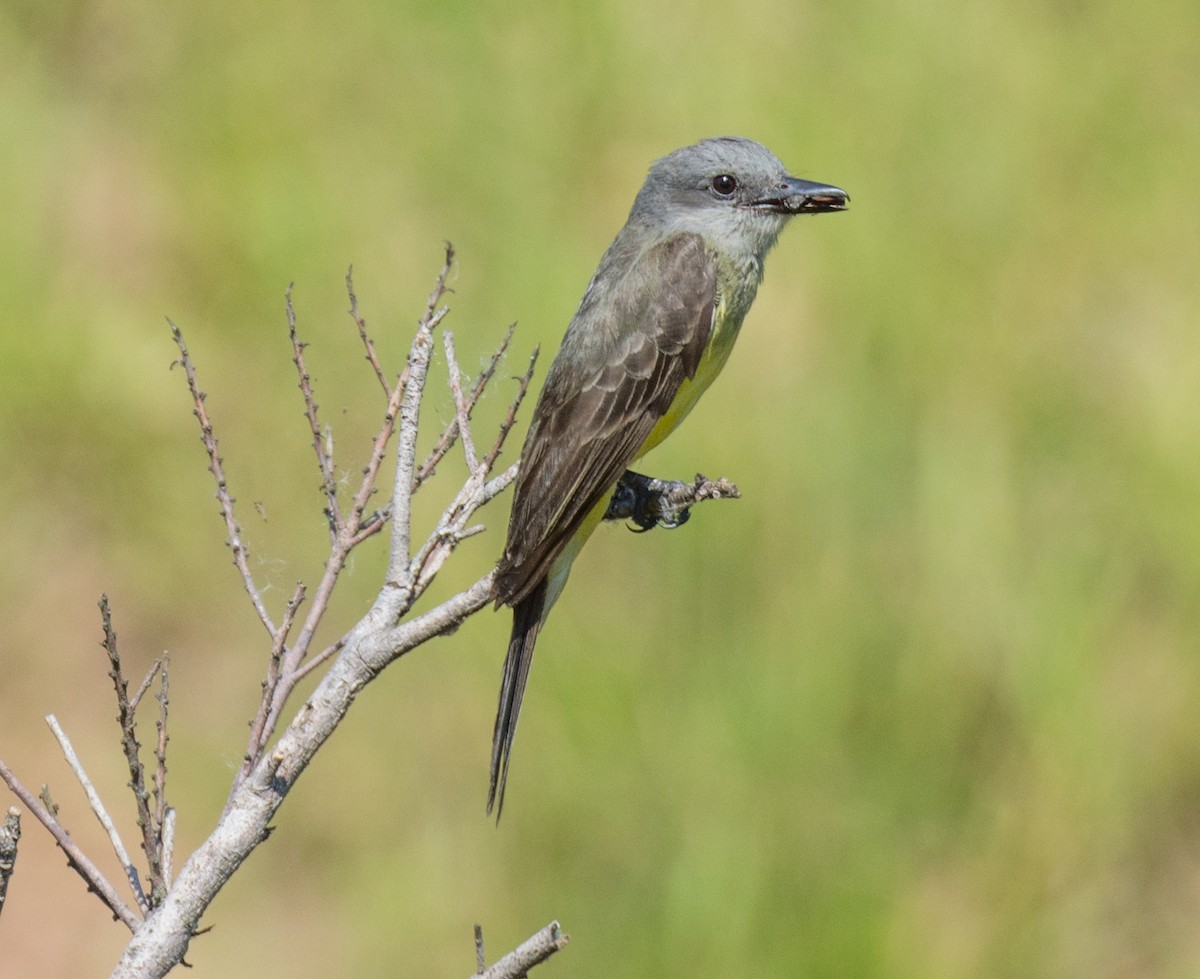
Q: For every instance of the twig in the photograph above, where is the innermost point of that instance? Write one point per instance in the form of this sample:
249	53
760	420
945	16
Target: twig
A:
475	493
533	951
451	527
460	404
259	731
10	835
378	520
224	500
511	417
47	801
101	813
359	532
157	868
146	681
320	441
345	540
322	657
450	433
76	859
378	451
365	337
147	823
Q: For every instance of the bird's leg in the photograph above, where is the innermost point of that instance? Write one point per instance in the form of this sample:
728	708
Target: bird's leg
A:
651	502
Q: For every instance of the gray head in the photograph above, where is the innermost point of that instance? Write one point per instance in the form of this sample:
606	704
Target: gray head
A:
732	191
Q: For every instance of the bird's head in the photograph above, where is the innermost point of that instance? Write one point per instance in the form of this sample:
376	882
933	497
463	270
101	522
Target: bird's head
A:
733	191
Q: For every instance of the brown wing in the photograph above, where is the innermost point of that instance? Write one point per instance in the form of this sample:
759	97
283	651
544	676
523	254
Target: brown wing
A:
640	330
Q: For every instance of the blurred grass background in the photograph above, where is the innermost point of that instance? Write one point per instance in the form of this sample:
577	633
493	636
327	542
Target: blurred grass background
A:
922	704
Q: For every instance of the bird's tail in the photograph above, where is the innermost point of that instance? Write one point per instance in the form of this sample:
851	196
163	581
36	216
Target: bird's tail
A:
527	622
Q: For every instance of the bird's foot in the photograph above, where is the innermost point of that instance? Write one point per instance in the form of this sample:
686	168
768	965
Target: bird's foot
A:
649	502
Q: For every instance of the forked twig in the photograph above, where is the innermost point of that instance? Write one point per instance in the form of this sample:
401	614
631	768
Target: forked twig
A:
259	731
450	433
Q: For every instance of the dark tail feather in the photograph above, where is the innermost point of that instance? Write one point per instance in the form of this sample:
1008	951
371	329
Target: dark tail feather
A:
527	621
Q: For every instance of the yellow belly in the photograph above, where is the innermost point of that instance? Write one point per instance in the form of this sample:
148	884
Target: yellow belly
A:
711	362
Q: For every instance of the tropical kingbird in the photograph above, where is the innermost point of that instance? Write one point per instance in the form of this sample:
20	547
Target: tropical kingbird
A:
655	326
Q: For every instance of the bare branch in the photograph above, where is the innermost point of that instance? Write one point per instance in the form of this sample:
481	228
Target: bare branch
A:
146	681
158	869
292	666
224	500
405	397
147	823
320	442
398	576
76	859
101	813
451	528
450	434
533	951
293	657
475	493
322	657
378	451
511	417
168	836
365	337
460	404
259	730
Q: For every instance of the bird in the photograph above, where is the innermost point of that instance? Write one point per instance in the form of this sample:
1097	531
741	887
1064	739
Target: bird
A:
655	326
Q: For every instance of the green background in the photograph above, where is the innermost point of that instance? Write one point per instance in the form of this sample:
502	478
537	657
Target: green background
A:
922	704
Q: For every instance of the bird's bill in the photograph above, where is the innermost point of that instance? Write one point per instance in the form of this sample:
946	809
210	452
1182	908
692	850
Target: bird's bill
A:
805	197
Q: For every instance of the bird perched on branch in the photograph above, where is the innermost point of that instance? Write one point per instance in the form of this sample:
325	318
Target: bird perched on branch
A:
653	330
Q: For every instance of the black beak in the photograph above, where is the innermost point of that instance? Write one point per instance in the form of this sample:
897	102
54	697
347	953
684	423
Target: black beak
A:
795	196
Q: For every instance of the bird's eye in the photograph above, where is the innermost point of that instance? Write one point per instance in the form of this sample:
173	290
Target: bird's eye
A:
724	185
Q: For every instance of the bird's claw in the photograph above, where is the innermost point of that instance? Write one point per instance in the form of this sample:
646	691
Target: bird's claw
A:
646	522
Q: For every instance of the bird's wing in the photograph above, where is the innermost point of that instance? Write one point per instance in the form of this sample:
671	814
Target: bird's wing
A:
623	360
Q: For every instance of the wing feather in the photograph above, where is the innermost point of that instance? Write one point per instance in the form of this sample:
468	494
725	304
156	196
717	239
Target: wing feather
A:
639	332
